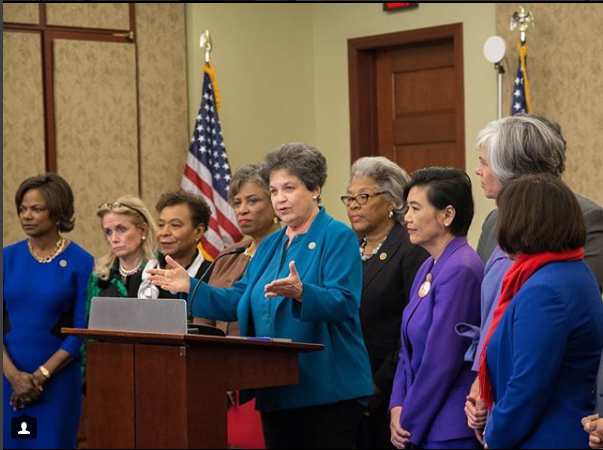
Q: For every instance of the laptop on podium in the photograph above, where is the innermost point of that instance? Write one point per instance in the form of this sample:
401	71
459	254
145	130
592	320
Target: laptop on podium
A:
138	314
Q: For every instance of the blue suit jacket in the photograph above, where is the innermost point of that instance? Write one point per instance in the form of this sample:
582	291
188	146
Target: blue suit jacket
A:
330	269
543	359
432	378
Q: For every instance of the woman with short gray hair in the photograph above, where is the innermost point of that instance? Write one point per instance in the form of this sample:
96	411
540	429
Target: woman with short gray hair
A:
508	148
301	160
389	176
376	209
521	145
304	284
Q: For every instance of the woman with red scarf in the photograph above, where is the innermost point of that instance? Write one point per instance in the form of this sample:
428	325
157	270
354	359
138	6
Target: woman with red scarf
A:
541	354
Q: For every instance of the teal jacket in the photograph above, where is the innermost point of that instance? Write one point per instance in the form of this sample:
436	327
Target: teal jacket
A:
329	265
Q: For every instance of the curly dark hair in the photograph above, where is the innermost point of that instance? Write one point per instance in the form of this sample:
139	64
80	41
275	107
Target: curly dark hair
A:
200	211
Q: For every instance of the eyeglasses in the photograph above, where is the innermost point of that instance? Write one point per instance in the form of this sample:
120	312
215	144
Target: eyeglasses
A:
117	205
361	199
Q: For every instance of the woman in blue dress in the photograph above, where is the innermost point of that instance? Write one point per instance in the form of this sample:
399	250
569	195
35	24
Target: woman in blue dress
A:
44	290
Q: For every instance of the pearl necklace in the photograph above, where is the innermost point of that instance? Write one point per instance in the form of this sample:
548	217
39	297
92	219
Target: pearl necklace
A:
126	273
59	246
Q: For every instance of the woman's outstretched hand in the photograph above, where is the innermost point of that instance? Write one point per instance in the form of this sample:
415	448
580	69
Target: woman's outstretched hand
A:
175	278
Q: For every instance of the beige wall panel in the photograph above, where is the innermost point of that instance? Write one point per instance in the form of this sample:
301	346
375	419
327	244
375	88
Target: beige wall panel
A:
564	72
162	87
22	122
89	15
96	115
21	12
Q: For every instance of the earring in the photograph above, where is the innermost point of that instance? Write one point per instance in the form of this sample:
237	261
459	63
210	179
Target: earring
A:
446	224
390	214
275	219
144	238
315	197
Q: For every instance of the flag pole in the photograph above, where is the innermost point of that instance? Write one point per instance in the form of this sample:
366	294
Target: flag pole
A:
206	44
522	19
207	170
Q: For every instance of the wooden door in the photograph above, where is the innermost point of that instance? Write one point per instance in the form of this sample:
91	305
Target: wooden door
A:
406	97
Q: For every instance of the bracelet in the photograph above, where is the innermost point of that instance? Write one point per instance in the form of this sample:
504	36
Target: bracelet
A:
44	371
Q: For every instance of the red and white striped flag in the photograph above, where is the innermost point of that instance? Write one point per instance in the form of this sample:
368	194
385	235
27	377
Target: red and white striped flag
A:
207	172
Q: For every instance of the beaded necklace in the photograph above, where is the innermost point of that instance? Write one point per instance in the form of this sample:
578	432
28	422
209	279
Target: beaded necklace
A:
375	250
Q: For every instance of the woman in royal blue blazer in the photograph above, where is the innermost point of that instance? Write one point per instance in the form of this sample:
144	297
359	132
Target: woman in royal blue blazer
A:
304	283
541	354
432	376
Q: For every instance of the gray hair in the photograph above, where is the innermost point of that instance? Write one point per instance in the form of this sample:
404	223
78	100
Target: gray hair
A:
523	144
299	159
390	178
247	174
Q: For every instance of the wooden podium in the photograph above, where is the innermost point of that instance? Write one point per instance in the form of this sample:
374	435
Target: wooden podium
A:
169	391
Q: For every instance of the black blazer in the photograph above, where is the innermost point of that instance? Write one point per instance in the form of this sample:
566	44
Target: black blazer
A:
387	280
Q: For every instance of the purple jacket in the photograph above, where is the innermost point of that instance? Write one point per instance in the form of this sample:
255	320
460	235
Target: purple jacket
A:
432	379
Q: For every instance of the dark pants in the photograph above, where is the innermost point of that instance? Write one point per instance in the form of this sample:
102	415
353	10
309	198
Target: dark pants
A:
333	425
374	430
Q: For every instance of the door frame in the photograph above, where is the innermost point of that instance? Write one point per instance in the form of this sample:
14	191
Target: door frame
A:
362	83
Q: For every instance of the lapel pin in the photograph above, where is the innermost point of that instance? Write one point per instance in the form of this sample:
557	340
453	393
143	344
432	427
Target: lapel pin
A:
312	245
63	263
383	256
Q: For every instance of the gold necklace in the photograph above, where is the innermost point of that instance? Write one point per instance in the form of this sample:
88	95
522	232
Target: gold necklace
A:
60	245
249	252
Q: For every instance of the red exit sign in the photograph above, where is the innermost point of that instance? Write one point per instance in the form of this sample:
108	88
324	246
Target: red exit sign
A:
398	6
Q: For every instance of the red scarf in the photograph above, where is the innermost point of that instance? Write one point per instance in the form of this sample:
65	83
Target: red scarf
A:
523	268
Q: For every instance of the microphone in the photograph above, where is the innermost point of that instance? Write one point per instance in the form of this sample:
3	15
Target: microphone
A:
235	251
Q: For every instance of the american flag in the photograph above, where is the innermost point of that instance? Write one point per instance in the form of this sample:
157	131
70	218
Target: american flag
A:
521	91
207	172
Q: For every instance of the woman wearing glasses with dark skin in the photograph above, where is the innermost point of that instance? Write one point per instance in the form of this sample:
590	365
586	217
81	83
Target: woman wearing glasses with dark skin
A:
390	262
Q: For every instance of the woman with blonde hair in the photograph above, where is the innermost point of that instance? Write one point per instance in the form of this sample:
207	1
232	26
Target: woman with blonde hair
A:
130	233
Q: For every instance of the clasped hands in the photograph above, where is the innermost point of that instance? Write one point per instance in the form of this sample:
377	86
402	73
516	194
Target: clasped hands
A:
176	278
27	388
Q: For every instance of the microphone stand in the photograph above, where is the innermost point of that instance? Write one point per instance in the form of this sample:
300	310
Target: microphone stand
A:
236	251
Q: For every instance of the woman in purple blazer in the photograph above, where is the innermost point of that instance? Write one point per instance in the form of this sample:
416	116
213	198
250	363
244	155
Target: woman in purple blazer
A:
432	377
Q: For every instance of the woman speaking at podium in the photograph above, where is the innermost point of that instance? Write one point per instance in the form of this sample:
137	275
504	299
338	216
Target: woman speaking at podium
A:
304	283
